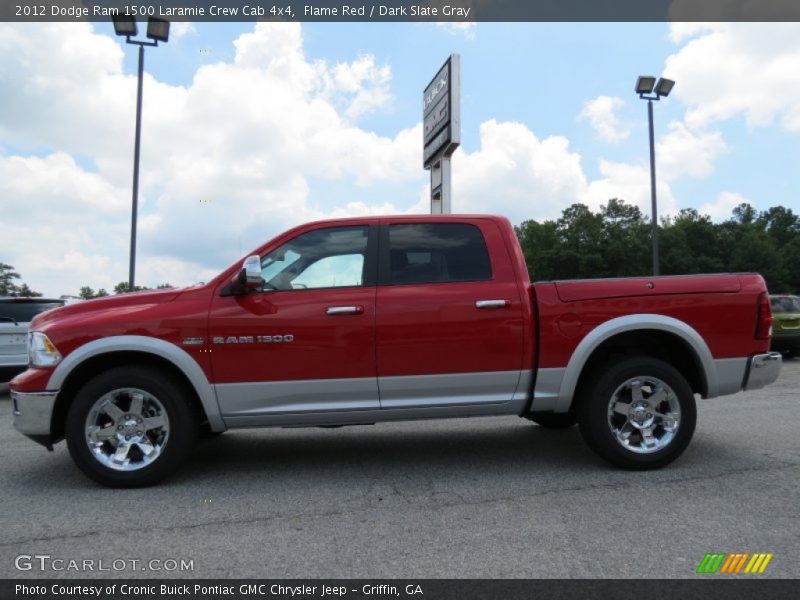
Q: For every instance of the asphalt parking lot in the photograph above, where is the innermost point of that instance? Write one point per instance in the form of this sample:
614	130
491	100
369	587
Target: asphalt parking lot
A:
489	497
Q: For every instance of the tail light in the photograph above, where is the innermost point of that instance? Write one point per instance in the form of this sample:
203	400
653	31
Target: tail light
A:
764	319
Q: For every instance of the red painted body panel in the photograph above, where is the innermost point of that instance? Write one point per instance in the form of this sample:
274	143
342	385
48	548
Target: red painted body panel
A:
421	329
725	320
32	380
170	315
571	291
324	347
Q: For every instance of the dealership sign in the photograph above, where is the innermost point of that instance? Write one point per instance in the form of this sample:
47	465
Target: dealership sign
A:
441	112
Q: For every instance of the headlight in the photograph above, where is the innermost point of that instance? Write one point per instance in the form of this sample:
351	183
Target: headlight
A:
41	351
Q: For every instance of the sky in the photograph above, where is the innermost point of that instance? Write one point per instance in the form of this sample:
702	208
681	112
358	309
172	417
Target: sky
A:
252	128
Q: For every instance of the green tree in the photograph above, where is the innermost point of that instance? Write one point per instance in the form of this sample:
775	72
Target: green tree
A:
27	292
9	288
616	241
625	243
540	245
122	287
7	277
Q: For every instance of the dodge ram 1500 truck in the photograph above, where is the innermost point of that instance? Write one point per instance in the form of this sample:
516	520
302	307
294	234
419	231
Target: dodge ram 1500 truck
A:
366	320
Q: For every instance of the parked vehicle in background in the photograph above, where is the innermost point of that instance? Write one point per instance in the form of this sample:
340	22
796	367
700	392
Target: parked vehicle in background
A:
15	316
358	321
786	324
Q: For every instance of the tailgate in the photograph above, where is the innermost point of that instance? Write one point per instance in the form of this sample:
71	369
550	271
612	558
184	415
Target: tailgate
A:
589	289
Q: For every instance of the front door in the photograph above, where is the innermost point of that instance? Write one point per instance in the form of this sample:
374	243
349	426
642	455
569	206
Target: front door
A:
306	342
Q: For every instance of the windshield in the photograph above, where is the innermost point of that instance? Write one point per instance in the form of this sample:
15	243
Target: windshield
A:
785	304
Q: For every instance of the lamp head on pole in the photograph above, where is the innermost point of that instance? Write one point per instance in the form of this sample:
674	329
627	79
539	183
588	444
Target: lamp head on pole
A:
124	26
664	87
645	84
158	29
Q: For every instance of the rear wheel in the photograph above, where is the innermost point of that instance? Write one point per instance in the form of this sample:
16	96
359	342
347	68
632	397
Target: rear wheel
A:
130	426
638	413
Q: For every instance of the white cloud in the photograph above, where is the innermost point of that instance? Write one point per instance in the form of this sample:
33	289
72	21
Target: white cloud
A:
722	206
457	28
181	29
683	151
514	173
631	183
738	69
227	161
252	145
601	114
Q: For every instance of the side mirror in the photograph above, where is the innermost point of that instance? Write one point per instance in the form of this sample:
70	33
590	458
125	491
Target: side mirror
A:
249	278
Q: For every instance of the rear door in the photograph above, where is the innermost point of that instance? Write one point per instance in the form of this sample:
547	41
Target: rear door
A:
306	342
449	316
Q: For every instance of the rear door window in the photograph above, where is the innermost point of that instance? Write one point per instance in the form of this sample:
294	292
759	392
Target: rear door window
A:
436	253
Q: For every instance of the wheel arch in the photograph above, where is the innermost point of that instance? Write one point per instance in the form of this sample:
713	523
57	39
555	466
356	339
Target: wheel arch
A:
90	359
649	334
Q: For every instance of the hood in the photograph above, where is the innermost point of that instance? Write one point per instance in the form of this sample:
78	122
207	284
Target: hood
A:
107	303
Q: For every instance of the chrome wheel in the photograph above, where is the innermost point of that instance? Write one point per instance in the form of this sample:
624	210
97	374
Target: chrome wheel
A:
127	429
644	414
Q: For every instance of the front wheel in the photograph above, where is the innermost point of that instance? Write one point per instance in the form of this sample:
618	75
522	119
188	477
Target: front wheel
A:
638	413
130	426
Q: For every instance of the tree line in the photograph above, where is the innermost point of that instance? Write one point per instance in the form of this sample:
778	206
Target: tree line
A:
88	293
616	242
10	287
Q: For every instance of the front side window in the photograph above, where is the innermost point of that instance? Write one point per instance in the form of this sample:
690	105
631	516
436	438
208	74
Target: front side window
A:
437	253
323	258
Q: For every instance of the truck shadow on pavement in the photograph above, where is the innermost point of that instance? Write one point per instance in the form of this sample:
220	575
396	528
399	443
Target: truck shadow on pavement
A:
305	459
355	453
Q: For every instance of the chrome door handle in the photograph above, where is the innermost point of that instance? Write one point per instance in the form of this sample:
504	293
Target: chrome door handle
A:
492	303
344	310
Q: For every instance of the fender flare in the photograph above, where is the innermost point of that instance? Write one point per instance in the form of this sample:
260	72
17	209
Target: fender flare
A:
625	324
148	345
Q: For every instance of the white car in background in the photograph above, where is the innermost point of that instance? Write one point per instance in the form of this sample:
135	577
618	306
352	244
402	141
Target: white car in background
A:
15	315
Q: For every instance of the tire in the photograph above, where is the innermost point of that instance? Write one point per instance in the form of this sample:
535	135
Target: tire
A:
551	420
640	430
143	403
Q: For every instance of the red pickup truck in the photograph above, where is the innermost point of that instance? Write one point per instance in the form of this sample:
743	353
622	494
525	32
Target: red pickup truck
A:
358	321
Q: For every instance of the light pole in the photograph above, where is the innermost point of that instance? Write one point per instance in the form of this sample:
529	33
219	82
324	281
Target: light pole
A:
649	90
157	31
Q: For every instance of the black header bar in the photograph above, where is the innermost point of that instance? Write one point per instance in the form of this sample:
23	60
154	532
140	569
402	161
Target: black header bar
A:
404	10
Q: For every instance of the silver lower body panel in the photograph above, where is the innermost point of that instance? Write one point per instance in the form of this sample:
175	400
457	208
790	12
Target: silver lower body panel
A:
370	400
